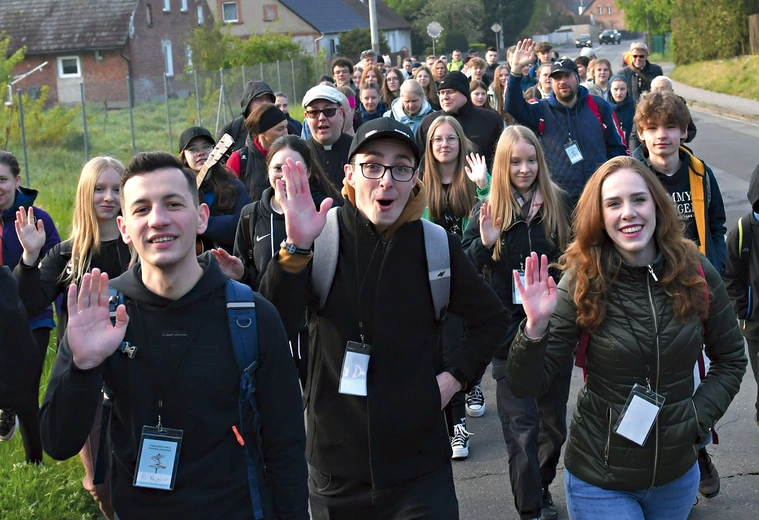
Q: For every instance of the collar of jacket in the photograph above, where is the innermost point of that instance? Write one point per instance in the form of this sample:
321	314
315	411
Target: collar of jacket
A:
414	209
25	197
582	95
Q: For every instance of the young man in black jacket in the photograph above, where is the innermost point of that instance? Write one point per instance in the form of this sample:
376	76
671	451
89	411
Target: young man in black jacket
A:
183	375
369	456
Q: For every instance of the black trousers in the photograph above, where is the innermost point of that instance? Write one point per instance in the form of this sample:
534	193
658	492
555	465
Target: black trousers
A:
428	497
753	357
453	333
534	431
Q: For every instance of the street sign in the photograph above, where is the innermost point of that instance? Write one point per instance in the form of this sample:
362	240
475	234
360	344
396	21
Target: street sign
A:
434	29
496	28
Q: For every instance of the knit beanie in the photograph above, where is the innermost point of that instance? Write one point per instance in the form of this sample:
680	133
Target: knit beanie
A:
457	81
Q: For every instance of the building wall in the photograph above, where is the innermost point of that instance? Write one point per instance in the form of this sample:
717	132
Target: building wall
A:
251	15
599	11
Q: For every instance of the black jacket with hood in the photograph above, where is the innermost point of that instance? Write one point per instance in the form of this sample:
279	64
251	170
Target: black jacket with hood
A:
742	270
374	439
185	359
236	127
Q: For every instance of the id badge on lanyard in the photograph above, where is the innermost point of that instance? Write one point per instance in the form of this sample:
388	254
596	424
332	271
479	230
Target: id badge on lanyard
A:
158	458
573	152
639	414
353	376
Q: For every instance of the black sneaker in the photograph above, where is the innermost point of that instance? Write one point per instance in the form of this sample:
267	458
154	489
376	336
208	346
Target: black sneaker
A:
709	485
460	441
547	509
475	402
8	424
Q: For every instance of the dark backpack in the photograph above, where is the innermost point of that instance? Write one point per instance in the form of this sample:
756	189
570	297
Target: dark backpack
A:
243	328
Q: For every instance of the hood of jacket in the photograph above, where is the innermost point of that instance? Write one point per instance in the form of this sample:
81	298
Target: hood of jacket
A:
25	197
628	99
413	210
400	115
753	189
130	283
252	90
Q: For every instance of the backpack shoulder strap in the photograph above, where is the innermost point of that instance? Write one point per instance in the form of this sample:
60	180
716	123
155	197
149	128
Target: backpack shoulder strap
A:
243	328
582	349
596	112
324	262
744	237
439	265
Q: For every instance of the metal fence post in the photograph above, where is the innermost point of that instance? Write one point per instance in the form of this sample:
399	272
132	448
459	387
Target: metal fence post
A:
23	135
84	125
261	68
168	112
295	93
221	106
279	79
242	68
197	97
131	112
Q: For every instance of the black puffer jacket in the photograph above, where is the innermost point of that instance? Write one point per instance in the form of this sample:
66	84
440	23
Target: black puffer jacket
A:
639	330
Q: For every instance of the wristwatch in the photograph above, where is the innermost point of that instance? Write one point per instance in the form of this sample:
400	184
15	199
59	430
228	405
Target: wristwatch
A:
293	249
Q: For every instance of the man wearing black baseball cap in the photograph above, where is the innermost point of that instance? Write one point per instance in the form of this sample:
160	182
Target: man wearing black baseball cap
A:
482	127
377	335
578	131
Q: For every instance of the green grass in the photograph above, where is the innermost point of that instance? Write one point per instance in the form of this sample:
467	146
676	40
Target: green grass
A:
51	491
736	76
54	491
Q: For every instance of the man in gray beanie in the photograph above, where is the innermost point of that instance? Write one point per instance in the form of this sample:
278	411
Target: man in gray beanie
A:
483	127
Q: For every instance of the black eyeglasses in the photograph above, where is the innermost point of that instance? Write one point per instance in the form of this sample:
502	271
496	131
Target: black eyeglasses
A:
377	171
638	56
328	112
206	147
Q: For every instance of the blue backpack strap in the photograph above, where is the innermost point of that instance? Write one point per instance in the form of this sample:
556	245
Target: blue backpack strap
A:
243	327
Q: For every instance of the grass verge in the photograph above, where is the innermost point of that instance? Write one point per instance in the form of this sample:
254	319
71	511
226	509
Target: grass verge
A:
736	76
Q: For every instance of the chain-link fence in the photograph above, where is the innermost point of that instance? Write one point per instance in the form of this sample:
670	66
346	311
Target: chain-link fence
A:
145	112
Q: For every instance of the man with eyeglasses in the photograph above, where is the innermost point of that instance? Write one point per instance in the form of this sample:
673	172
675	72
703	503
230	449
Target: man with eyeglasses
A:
324	115
483	127
369	455
640	72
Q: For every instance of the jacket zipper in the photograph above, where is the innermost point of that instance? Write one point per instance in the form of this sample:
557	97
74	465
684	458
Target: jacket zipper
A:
656	380
608	437
368	415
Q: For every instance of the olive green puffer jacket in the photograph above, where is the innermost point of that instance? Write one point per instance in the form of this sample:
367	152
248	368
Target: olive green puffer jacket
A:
639	331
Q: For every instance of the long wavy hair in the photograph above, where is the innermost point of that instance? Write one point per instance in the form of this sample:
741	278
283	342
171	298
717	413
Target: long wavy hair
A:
377	71
317	179
461	195
499	95
387	95
430	91
85	231
592	261
503	200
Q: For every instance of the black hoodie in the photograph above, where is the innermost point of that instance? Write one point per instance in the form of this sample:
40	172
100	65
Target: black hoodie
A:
236	127
184	359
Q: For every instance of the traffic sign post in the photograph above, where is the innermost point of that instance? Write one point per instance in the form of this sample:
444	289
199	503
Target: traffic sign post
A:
433	31
496	28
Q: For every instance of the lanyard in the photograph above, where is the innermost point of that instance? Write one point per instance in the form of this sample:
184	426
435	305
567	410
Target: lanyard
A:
360	281
157	376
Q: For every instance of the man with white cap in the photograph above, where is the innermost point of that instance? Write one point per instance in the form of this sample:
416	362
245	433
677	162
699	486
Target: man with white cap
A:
324	115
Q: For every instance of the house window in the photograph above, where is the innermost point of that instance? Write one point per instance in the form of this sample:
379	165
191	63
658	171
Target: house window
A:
183	6
69	67
201	15
166	6
149	15
332	48
168	59
270	13
600	10
229	12
608	10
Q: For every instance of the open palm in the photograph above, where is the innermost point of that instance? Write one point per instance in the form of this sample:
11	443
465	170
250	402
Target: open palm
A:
31	234
303	223
539	294
91	335
490	231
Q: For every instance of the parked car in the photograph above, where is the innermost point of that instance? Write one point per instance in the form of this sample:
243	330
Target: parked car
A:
583	41
610	36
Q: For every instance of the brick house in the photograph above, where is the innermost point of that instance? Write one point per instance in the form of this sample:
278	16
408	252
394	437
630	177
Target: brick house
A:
606	14
100	43
315	24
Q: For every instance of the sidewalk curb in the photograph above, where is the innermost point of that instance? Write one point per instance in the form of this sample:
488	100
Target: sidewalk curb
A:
702	106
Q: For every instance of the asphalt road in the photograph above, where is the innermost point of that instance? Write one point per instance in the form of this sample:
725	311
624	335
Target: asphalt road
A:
482	483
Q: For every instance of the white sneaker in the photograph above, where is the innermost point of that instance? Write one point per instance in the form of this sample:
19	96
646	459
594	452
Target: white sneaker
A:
460	442
475	402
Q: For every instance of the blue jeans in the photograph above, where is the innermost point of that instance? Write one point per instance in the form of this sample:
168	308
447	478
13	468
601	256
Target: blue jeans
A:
671	501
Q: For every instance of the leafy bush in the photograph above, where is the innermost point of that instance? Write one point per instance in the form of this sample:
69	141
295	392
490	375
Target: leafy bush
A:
708	29
357	40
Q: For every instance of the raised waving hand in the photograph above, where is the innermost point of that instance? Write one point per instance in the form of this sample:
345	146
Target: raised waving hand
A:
477	171
539	294
303	223
490	231
31	235
522	55
91	335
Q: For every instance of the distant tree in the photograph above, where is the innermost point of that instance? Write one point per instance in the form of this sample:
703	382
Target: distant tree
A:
357	40
651	16
512	15
461	16
708	29
8	61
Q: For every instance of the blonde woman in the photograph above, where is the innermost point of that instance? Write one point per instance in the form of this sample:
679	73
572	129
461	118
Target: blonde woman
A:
525	211
423	75
95	242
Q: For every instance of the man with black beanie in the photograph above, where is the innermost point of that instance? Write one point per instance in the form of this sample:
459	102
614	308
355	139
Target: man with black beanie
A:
482	127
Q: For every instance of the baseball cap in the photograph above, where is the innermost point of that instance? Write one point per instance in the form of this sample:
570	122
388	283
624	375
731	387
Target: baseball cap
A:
325	92
564	65
191	133
383	128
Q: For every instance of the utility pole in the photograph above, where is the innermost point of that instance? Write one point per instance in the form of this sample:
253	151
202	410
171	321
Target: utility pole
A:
373	26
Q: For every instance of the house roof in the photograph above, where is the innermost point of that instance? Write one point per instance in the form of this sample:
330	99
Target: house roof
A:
336	16
53	26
